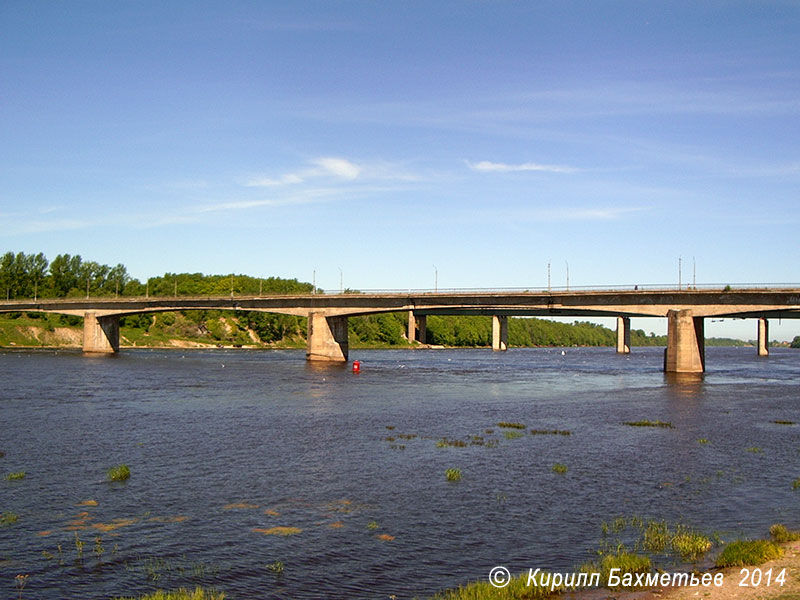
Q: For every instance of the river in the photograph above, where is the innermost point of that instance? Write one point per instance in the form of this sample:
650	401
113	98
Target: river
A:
264	476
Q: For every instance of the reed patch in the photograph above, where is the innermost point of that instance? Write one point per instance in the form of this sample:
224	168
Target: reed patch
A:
646	423
120	472
453	474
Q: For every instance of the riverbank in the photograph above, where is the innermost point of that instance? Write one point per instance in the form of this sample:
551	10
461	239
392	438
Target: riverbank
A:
732	588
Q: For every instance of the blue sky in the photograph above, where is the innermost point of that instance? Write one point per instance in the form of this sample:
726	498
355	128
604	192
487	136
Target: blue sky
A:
388	143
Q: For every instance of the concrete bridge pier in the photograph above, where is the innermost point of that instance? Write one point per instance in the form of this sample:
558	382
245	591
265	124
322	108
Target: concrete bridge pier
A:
327	338
623	335
417	328
499	333
763	337
685	352
100	334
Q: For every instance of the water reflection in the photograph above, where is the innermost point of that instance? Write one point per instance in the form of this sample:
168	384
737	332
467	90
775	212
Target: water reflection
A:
685	385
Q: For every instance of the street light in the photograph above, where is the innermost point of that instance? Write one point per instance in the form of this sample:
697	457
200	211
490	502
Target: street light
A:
435	279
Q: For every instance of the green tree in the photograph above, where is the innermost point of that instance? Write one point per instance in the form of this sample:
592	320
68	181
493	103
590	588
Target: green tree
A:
64	274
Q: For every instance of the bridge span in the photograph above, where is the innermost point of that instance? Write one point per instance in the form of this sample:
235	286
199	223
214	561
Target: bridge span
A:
684	309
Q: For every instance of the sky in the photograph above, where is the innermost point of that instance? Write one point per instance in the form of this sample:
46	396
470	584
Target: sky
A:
407	145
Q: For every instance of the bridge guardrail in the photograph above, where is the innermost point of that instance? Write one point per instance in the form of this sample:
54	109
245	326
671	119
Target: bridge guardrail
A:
705	287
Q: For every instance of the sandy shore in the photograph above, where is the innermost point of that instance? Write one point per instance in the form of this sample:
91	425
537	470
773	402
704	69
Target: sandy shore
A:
730	590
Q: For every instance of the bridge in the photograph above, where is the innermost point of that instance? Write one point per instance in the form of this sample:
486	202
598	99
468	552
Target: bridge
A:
684	309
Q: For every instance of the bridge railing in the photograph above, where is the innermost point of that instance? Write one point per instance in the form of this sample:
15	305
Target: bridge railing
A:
647	287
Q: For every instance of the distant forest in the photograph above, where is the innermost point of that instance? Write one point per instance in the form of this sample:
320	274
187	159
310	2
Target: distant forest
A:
32	275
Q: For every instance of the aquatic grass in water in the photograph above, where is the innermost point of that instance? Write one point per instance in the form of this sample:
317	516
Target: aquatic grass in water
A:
662	424
781	422
511	425
16	476
119	473
748	552
656	536
550	432
453	474
559	468
279	531
690	545
180	594
516	589
779	533
7	518
512	435
448	443
626	562
276	567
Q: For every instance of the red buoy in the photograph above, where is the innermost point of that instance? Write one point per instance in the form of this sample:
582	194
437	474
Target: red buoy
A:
356	366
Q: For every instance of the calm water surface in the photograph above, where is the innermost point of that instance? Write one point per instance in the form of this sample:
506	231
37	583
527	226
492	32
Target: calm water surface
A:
224	446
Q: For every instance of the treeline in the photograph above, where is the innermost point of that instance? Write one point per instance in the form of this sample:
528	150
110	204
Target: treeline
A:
33	276
454	330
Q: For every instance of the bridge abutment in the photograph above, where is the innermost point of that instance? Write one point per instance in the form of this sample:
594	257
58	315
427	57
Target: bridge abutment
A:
685	351
327	338
499	333
763	337
100	334
623	335
417	328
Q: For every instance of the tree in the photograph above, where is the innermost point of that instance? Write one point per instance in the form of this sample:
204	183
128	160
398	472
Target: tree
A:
796	342
38	270
64	274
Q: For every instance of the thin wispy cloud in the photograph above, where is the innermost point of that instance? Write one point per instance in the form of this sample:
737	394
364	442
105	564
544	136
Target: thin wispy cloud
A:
326	166
486	166
288	179
335	169
33	226
585	214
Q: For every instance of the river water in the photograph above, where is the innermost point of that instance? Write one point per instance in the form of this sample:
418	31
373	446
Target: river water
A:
228	448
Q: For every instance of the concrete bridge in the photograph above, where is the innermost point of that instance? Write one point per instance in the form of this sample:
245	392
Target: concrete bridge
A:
684	309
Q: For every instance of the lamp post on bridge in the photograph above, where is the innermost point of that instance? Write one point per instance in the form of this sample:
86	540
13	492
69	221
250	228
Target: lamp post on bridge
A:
435	279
